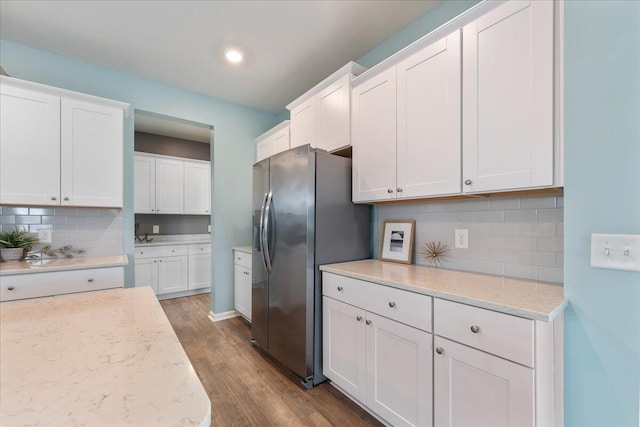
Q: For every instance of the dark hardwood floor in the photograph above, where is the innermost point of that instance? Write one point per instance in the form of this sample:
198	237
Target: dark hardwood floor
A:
245	387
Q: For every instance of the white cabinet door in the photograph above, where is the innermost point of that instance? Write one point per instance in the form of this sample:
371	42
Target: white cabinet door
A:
144	184
91	154
197	188
242	290
281	141
429	120
303	124
344	348
169	186
374	138
172	274
333	115
29	147
399	372
199	271
264	149
146	273
508	98
473	388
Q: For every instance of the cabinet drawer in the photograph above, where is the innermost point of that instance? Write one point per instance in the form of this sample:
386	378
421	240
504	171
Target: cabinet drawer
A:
60	282
160	251
501	334
407	307
200	249
242	258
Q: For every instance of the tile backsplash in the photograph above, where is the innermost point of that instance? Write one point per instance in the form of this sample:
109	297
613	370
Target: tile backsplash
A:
511	236
97	230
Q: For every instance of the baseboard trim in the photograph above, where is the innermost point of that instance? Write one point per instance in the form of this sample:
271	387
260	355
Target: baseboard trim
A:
222	316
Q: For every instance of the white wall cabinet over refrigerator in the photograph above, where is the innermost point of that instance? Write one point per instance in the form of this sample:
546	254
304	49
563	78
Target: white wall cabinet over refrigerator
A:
377	348
73	144
406	127
508	98
273	141
322	116
242	283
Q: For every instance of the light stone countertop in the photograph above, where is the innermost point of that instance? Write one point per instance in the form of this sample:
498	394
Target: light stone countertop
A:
192	239
245	249
61	264
526	298
96	358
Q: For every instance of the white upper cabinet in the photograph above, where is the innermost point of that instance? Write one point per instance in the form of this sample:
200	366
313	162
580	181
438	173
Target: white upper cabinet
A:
144	186
428	132
197	187
374	134
406	127
92	153
321	117
29	147
59	147
273	141
508	98
169	186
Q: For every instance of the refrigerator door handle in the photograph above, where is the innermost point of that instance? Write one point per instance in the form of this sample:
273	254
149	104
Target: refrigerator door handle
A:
265	229
261	231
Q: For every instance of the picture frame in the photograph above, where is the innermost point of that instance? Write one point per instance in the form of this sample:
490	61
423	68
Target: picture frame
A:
396	242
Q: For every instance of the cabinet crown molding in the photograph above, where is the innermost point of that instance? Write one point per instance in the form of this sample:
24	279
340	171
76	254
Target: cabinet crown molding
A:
273	130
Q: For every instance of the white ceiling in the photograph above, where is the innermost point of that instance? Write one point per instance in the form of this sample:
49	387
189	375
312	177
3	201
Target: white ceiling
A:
290	46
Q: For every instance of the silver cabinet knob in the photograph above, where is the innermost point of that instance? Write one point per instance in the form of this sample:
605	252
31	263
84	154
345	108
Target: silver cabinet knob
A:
90	280
66	198
153	210
157	210
339	288
173	250
368	322
54	198
392	304
475	329
155	261
359	318
439	350
202	249
399	190
467	182
160	260
10	288
390	190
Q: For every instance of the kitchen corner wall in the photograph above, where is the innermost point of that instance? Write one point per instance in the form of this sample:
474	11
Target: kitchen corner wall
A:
511	236
98	231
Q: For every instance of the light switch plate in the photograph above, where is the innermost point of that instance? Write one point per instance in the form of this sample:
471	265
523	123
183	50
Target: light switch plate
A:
462	238
616	251
45	235
156	229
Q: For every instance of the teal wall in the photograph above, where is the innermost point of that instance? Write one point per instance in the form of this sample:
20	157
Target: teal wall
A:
233	151
602	195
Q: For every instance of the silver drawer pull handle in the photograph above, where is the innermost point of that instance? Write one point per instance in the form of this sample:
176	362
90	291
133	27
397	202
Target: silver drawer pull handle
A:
90	280
246	272
392	304
54	198
339	288
439	350
359	318
368	322
66	198
239	258
475	329
11	288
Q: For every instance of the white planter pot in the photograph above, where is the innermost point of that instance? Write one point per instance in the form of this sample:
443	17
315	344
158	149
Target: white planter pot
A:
11	254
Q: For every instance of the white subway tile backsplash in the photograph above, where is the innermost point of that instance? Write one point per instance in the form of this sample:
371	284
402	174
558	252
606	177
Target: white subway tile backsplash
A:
41	211
512	236
54	219
20	219
10	210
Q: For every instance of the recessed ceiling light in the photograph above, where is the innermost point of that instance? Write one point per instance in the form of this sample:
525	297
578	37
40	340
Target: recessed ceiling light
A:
233	55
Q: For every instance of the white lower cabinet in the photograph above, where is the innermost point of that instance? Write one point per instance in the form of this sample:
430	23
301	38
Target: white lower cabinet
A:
35	285
242	283
175	268
381	362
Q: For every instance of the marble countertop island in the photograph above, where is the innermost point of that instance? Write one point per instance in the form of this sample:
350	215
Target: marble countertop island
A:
526	298
96	359
61	264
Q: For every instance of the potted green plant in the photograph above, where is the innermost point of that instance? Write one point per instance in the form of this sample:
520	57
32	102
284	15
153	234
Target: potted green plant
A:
15	244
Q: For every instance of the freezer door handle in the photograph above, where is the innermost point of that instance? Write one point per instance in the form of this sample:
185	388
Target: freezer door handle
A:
261	231
265	234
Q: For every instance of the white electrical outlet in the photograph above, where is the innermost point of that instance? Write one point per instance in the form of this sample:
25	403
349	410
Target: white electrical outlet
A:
616	251
209	228
45	236
462	238
156	229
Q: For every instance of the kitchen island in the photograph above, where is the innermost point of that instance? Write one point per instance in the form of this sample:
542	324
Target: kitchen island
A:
107	357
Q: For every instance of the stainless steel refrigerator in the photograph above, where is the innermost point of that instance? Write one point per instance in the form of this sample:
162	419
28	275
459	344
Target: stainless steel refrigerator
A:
303	217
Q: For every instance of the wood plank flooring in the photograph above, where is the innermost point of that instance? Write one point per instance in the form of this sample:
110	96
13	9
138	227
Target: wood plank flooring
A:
246	387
